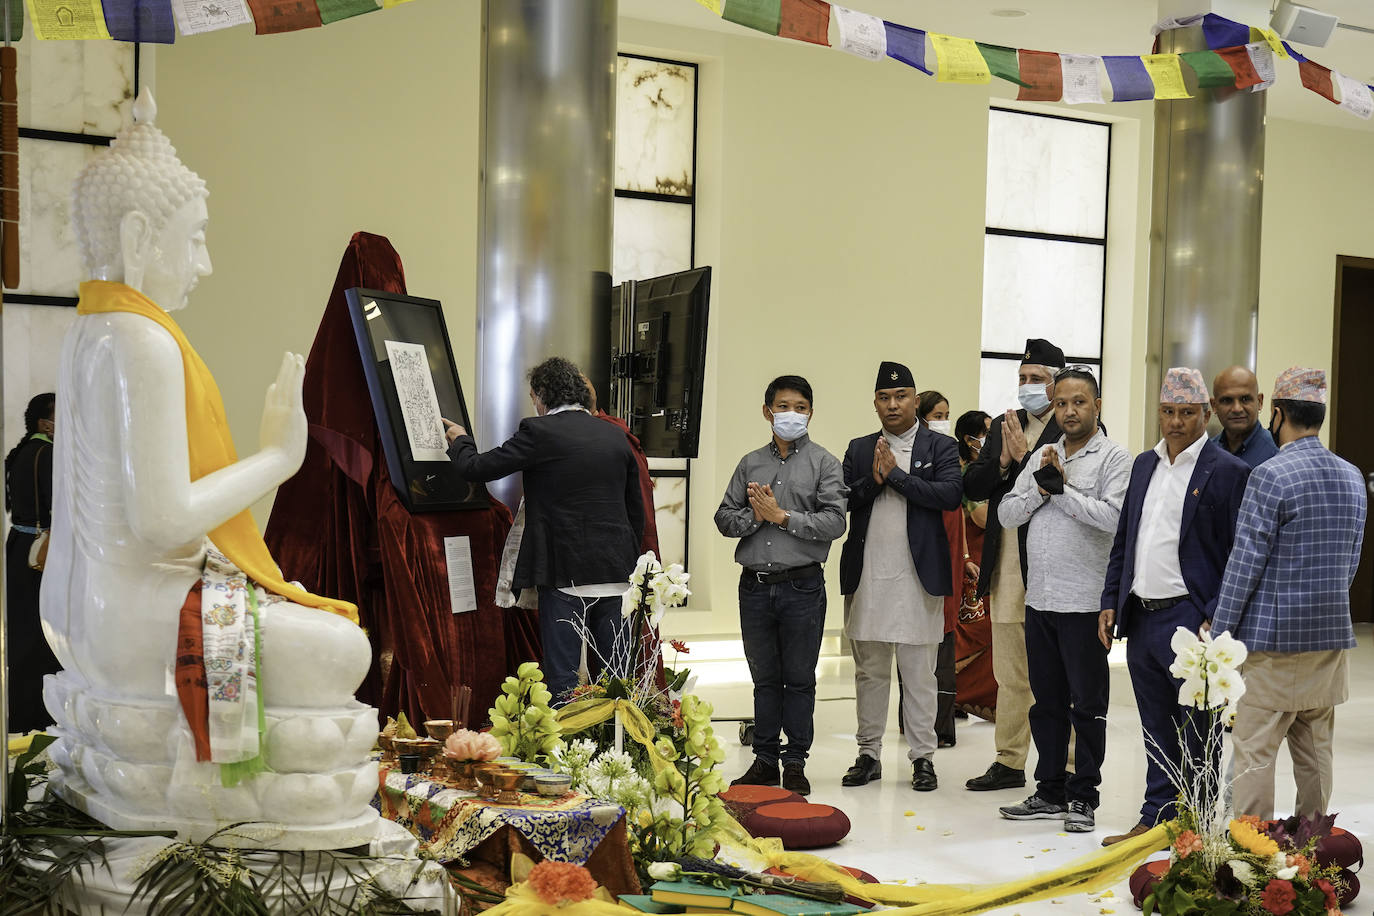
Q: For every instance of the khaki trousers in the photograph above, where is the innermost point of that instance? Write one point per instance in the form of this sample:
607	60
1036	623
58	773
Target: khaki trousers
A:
1012	734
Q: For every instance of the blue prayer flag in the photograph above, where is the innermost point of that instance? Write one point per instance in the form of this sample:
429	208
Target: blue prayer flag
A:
907	45
1221	32
1293	54
1130	80
140	20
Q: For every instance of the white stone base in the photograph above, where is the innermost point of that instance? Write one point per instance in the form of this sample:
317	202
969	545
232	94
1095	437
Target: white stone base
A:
106	890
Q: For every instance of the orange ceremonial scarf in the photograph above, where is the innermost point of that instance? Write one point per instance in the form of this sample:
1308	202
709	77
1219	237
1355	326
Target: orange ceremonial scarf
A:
209	445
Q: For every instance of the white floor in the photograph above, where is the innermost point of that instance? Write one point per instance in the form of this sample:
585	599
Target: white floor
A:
953	835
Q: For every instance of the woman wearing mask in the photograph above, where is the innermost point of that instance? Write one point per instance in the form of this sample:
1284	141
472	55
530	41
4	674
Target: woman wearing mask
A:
976	687
932	409
28	499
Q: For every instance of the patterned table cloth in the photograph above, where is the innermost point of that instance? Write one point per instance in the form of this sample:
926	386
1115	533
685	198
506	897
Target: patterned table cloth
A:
450	822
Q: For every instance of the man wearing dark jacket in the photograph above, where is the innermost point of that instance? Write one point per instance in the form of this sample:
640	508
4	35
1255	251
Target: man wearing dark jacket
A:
584	517
1002	575
894	572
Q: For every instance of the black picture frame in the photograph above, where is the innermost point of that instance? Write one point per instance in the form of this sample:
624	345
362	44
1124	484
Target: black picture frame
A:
428	485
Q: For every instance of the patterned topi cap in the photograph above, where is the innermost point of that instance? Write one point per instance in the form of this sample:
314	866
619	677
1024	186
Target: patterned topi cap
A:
1183	386
1299	384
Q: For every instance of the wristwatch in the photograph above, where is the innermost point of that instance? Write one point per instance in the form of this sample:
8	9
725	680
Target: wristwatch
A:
786	519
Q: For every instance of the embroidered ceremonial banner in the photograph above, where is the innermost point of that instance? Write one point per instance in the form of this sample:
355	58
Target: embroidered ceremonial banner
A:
764	15
861	34
1211	68
274	16
907	45
1001	62
1242	67
1221	32
196	16
958	60
1130	80
1082	83
67	19
1043	76
334	10
140	20
805	20
1166	73
1318	79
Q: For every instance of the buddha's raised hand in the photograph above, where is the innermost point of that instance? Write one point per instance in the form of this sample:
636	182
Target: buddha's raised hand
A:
283	413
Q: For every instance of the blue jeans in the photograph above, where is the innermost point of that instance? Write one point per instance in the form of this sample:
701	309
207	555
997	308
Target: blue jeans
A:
562	643
782	626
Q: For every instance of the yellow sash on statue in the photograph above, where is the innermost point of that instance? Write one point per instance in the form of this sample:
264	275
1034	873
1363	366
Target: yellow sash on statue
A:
209	445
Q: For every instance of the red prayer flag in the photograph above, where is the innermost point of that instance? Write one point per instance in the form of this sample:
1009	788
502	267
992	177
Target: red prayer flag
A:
1043	74
271	16
805	20
1318	79
1238	59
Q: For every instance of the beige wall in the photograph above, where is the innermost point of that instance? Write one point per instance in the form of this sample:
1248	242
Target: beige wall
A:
840	202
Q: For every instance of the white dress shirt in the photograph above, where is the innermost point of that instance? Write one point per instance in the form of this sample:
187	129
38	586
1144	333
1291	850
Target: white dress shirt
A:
1158	573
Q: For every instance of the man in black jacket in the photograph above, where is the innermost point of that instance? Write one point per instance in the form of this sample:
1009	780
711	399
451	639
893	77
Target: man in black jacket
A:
584	516
1002	573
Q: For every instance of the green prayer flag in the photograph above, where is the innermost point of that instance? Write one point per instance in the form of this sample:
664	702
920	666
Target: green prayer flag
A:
764	15
1211	68
334	10
1002	63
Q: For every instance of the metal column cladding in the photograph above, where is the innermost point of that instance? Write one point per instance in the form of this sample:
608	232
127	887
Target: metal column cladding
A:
1205	227
545	202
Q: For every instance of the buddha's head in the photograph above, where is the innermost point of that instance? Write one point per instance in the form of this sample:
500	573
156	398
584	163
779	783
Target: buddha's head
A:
140	214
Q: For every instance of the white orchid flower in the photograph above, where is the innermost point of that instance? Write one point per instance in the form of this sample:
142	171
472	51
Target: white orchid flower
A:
629	602
1184	641
1228	650
1193	692
1226	688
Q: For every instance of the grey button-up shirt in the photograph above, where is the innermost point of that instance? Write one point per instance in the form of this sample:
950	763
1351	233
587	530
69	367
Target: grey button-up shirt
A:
1070	535
809	483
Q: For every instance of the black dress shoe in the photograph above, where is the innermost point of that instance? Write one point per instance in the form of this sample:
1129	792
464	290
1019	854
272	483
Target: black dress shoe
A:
865	770
998	776
758	774
794	778
923	776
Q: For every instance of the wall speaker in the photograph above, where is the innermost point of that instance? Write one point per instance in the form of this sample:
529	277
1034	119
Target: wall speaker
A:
1303	24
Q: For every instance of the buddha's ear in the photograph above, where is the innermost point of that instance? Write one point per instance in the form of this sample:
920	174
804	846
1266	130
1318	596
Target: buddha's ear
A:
136	245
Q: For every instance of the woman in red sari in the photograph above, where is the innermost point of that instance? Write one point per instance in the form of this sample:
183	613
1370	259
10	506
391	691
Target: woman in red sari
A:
976	688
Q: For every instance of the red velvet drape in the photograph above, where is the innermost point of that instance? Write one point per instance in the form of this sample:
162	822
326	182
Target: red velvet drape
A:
339	528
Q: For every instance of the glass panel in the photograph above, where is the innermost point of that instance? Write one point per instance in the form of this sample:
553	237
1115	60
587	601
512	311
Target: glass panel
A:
652	238
655	126
667	464
670	513
1047	174
49	258
1036	288
997	383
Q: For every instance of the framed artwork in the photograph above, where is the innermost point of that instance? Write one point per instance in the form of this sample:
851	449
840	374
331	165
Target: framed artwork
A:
413	381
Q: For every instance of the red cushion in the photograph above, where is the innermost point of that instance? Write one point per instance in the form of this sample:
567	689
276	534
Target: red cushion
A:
1144	879
1352	886
1340	847
800	825
741	800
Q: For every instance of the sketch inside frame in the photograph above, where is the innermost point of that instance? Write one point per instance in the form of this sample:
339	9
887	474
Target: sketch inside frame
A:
419	403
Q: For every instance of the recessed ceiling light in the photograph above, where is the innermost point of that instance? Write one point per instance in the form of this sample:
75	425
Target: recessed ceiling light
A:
1010	13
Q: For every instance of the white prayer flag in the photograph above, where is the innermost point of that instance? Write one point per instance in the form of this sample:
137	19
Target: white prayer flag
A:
196	16
861	34
1355	96
1262	56
1082	83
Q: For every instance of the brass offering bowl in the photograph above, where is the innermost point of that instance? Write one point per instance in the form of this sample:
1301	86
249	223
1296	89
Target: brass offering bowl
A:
439	729
460	774
485	774
508	782
388	746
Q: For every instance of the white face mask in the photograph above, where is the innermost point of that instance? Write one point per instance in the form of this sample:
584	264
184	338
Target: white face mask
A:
1033	398
940	426
789	425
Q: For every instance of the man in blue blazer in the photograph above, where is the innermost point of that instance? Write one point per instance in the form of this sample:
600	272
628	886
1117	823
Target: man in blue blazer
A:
895	572
1165	572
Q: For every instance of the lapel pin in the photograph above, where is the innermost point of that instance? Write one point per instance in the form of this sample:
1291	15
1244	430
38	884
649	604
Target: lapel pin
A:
1197	492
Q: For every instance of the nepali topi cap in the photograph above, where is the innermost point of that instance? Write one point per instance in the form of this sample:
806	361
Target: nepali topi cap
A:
1183	386
893	375
1043	353
1299	384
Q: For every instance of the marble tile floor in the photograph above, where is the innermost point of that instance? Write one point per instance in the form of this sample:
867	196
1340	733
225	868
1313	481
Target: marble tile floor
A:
953	835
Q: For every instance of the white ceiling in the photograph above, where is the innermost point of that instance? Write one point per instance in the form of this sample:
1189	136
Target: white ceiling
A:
1088	27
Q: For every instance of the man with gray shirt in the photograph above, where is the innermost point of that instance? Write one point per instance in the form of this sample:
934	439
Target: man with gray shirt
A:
785	503
1070	495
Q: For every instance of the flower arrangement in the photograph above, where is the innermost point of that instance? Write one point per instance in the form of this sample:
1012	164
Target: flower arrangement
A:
522	719
1221	866
557	883
464	744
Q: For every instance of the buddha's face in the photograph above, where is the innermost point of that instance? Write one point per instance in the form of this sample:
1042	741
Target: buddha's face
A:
178	257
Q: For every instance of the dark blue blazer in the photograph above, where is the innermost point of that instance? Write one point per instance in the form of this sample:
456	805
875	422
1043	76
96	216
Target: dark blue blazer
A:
1210	508
932	486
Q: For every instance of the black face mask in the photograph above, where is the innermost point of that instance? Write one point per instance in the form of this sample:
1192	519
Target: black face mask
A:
1274	430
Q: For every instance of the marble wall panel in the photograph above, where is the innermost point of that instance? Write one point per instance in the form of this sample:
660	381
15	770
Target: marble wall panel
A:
78	86
652	238
655	126
33	348
670	513
49	260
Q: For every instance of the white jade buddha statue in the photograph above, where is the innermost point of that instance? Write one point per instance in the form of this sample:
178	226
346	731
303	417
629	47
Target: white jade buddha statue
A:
131	520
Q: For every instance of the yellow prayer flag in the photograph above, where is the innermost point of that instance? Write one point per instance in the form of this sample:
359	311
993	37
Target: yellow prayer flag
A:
388	4
1272	38
712	5
67	19
1167	75
959	60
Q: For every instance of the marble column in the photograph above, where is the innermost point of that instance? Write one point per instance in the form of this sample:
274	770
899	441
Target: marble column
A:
1205	227
544	258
